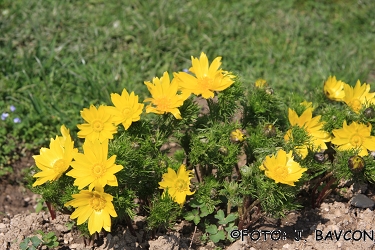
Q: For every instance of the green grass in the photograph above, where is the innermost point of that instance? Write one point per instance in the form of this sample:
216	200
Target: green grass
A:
57	57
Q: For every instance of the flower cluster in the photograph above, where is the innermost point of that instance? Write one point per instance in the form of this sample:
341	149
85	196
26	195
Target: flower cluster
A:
246	147
5	115
356	136
94	169
356	98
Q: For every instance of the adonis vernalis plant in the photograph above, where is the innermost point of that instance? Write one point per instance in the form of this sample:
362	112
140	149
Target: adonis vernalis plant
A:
164	96
126	108
56	159
210	144
282	168
177	184
100	125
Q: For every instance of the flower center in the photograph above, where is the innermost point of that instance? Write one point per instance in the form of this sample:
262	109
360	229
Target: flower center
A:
356	140
181	185
59	166
356	105
97	202
97	126
282	172
327	93
163	104
205	83
98	170
126	112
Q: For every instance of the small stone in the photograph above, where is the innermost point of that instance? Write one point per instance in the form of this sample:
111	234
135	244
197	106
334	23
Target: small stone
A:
74	246
61	228
362	201
286	246
334	228
337	213
3	228
109	237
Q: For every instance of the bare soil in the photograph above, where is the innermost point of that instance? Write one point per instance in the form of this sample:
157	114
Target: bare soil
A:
334	225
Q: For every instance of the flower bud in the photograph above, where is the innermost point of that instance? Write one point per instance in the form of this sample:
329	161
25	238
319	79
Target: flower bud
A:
203	140
356	164
135	145
163	163
269	130
319	157
369	112
269	91
223	151
237	136
260	83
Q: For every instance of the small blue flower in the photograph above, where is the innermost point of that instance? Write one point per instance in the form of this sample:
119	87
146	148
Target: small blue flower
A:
4	116
16	120
12	108
185	70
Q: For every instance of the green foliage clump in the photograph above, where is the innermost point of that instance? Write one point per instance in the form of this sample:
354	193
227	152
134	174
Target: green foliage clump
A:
48	240
223	142
164	213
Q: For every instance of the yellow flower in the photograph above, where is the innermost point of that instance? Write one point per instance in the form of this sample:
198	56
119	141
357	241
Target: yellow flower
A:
334	89
164	96
260	83
93	168
282	168
178	185
65	134
127	109
307	104
358	96
208	78
56	159
99	124
313	128
354	136
95	206
237	135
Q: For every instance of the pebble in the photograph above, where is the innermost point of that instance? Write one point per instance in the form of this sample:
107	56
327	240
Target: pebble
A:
75	246
337	213
362	201
3	228
61	228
